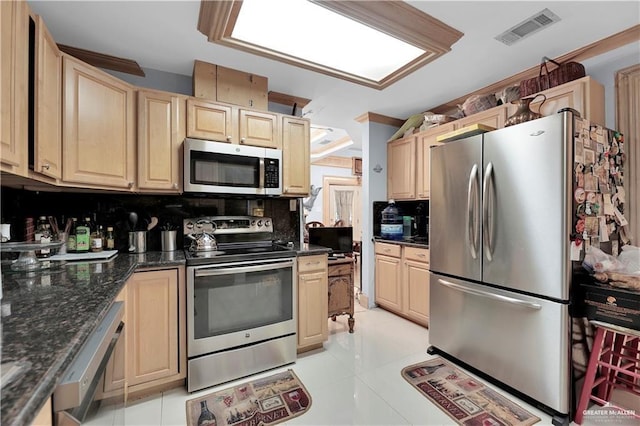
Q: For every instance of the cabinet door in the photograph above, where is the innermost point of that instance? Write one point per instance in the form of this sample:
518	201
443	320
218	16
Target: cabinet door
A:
161	130
14	118
114	375
341	294
98	128
494	117
584	95
416	294
388	282
211	121
152	326
312	308
401	169
48	104
295	156
425	141
241	88
259	129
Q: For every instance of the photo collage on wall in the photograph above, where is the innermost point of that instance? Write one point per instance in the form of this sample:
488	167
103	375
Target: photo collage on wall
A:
598	190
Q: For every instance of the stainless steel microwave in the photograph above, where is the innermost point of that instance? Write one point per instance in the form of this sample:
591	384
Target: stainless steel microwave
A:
219	167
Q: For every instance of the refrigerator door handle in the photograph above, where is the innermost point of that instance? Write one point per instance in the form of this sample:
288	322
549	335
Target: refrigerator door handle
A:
472	205
493	296
487	236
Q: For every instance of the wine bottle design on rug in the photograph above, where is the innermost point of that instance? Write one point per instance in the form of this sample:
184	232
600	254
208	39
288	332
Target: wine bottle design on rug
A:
464	398
269	401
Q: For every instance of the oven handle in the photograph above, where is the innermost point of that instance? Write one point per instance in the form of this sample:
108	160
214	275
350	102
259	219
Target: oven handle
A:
212	270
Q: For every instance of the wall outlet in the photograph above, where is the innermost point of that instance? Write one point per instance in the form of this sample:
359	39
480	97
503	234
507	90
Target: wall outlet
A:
293	205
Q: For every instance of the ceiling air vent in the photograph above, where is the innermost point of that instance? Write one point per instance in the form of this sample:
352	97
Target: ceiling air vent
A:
527	27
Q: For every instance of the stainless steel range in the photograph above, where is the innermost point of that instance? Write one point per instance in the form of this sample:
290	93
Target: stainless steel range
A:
241	299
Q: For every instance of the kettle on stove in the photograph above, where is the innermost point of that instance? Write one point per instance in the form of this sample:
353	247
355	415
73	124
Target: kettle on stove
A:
203	240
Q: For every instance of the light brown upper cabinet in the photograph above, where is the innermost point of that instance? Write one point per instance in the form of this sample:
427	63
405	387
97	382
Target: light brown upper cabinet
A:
242	88
47	104
295	156
401	168
14	91
161	130
98	128
216	83
494	117
426	140
228	123
585	95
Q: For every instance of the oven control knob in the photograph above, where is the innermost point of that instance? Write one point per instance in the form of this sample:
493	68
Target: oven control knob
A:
189	225
253	223
259	223
267	223
247	335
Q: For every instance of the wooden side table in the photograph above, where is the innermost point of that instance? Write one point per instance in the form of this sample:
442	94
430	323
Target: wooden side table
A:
341	289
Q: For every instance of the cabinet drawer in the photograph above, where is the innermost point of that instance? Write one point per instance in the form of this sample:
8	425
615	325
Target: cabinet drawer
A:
388	249
417	254
312	263
341	269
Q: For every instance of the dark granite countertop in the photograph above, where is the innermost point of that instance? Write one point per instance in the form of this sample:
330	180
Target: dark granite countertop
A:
47	316
310	249
409	243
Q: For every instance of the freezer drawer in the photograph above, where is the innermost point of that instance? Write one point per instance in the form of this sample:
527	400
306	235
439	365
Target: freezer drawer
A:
519	340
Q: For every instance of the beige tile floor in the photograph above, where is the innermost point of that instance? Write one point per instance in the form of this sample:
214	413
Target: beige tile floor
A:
354	380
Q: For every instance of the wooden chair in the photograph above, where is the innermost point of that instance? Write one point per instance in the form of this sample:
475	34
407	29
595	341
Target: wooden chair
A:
339	222
312	224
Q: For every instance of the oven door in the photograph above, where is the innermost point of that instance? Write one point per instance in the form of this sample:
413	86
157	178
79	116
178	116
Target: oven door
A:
240	303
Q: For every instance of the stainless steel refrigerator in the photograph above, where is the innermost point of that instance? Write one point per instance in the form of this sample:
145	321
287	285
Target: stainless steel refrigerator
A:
502	212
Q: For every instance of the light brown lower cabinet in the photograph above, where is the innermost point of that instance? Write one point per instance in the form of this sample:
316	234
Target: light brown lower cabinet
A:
45	415
402	281
155	333
313	305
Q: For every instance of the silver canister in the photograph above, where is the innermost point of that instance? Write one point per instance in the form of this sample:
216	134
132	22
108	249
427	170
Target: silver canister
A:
138	242
168	240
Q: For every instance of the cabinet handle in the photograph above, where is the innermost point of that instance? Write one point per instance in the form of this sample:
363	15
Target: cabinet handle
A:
46	166
175	185
229	138
387	250
312	263
242	140
421	255
130	184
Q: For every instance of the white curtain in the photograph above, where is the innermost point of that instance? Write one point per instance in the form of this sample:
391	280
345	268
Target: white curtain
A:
344	203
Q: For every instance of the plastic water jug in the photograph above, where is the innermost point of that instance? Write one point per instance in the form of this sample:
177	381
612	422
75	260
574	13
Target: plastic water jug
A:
391	224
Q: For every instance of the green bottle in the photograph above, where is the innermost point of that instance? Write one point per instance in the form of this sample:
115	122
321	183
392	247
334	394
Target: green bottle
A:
83	236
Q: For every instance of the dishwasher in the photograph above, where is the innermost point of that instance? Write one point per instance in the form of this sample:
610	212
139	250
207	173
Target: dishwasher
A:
81	395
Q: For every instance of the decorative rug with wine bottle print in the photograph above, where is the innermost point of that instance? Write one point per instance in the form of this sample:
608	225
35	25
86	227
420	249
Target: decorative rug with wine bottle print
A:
465	399
266	401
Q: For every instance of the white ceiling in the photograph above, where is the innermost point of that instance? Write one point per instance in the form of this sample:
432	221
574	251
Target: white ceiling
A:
162	35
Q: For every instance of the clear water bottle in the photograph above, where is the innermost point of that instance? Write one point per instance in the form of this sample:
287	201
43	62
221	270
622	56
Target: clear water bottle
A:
391	225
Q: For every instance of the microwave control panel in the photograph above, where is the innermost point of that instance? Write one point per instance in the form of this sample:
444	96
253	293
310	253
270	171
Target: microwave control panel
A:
271	173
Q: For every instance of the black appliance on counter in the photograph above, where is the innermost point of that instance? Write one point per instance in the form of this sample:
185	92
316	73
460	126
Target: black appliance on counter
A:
417	210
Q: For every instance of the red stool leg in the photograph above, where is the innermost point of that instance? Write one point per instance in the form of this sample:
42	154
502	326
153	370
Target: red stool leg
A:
590	375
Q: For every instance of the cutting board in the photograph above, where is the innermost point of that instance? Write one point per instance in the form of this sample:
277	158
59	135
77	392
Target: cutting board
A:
99	255
471	130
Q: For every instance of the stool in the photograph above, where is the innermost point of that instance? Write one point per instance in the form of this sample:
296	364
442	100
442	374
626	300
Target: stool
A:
616	354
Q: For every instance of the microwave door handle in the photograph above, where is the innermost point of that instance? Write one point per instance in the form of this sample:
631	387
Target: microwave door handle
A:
261	183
